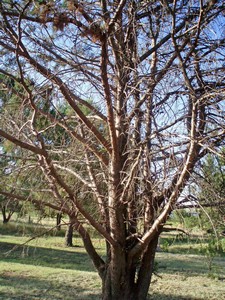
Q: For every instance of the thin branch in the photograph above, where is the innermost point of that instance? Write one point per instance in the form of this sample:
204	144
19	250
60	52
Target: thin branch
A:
21	144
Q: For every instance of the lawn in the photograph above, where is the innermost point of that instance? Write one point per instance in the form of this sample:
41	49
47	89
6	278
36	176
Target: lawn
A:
44	269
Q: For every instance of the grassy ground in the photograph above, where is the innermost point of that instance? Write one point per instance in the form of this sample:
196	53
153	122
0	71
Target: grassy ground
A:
46	270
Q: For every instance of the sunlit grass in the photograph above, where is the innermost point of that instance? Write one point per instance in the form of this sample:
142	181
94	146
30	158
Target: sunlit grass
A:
185	285
21	281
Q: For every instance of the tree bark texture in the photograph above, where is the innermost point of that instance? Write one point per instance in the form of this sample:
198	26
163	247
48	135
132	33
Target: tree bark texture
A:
129	281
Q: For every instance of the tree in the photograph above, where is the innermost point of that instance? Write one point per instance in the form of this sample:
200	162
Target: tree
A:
8	208
15	172
211	191
155	73
8	205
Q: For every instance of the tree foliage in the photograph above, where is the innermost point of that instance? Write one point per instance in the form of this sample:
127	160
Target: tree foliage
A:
211	191
151	76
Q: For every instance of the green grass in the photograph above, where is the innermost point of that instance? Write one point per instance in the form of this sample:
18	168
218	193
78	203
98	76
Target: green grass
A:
46	270
21	281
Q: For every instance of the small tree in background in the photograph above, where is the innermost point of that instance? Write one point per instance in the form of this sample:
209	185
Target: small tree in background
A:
154	71
8	208
211	185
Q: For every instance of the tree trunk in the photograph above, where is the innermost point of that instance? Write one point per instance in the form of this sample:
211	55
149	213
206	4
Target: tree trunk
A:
58	220
146	270
6	218
69	235
123	282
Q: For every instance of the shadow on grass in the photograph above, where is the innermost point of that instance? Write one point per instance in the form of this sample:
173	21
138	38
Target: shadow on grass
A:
78	260
54	258
30	288
194	244
170	263
158	296
191	265
21	287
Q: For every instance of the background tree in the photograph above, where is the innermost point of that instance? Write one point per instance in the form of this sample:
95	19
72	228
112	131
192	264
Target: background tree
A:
155	73
211	191
204	203
13	160
8	208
